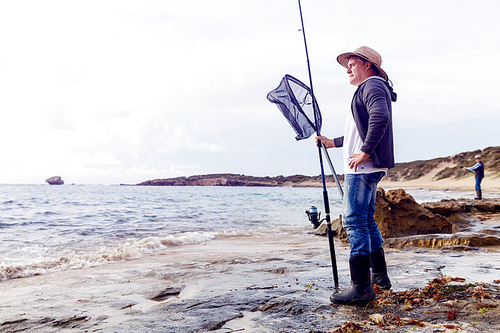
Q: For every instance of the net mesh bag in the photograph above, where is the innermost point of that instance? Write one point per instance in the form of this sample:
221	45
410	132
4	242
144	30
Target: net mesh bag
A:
296	103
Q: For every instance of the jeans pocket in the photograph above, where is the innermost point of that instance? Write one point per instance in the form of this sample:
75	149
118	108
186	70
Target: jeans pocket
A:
375	177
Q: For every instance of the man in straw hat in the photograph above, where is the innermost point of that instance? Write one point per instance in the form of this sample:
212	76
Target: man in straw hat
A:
368	153
478	169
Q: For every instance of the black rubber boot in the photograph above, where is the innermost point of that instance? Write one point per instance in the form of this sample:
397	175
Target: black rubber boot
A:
361	289
379	270
479	195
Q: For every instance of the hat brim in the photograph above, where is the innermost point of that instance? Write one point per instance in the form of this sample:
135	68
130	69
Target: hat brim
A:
343	59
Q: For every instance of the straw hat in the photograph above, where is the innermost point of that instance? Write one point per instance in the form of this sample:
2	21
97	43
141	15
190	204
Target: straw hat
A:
366	53
477	156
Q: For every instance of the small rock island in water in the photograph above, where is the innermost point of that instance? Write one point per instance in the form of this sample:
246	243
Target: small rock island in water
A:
56	180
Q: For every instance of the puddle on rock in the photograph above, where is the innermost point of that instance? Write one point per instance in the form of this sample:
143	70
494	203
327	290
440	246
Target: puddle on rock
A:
248	324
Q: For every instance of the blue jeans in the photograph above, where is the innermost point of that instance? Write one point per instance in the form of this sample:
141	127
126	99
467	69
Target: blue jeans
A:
360	192
478	184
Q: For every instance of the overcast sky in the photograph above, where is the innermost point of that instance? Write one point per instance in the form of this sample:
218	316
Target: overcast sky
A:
124	91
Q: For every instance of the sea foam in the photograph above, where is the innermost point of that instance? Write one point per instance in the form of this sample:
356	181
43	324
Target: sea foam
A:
130	249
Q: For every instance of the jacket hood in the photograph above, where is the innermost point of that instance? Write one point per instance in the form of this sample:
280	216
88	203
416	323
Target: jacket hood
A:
394	96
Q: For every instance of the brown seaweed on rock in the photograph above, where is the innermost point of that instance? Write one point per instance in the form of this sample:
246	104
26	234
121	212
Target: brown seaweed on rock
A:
444	302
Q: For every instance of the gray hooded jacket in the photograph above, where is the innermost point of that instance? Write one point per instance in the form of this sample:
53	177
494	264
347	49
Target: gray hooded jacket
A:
372	111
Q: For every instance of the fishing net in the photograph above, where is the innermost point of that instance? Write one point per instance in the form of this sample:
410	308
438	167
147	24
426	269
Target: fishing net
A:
295	101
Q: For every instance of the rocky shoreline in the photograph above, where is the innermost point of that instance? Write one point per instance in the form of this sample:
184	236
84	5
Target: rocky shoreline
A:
445	305
450	224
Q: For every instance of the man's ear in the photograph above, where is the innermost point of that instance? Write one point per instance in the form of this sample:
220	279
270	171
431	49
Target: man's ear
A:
368	65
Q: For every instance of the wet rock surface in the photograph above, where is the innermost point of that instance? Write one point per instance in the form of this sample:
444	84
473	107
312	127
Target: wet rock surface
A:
449	207
167	293
456	241
445	303
258	295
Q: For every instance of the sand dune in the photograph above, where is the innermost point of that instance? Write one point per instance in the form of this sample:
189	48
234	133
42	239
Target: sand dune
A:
491	182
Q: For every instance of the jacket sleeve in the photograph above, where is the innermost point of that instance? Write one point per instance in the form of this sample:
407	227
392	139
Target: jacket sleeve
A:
472	168
339	142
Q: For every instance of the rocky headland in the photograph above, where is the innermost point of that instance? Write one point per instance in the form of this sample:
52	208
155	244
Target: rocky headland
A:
228	179
438	173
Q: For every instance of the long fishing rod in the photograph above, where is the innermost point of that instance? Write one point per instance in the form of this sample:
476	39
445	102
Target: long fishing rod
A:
325	192
333	172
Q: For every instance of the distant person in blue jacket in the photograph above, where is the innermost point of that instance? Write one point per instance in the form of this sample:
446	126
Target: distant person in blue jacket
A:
478	169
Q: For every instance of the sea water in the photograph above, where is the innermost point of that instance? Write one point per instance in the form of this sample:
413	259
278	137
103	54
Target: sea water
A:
45	228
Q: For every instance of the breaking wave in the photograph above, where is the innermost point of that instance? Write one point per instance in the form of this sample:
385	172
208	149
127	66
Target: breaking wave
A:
105	254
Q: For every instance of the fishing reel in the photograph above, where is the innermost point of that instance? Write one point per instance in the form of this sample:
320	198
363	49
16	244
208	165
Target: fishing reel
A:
314	216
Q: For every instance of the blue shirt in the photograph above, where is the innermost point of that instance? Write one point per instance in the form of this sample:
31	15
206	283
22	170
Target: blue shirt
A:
478	169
